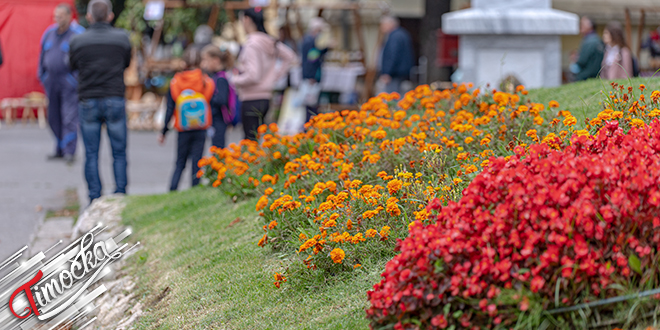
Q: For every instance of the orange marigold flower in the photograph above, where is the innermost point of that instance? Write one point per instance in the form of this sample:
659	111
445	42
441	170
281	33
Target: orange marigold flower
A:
570	121
330	223
655	96
262	202
267	178
421	215
371	233
308	244
553	104
637	122
302	237
262	129
357	238
337	255
279	279
357	266
269	191
263	241
393	209
349	224
385	231
394	186
331	185
277	155
272	224
369	214
378	134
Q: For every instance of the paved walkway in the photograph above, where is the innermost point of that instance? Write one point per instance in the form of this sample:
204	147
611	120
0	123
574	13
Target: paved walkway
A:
30	185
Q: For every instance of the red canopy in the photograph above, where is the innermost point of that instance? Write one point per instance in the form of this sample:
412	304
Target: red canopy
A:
22	22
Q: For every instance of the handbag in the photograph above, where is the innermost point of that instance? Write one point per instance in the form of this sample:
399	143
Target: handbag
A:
308	94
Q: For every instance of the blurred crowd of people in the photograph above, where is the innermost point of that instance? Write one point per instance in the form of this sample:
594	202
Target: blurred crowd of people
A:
609	57
82	72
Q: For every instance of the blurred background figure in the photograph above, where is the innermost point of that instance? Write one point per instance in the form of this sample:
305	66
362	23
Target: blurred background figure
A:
652	43
397	57
203	37
101	55
261	62
591	52
60	83
286	38
617	61
313	53
216	62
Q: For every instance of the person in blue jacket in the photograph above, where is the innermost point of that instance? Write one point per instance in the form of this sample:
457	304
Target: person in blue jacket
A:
397	56
312	59
60	82
216	62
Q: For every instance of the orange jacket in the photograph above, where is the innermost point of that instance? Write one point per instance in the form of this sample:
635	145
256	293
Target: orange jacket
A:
192	79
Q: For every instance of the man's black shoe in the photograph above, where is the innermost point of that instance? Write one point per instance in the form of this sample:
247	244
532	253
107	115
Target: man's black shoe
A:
55	157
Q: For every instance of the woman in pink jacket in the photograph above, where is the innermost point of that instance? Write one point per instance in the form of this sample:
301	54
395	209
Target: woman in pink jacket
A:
261	62
617	61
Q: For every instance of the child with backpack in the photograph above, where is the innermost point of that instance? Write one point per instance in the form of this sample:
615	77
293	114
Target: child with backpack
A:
188	101
224	102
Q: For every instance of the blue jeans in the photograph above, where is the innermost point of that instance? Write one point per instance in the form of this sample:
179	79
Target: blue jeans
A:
93	114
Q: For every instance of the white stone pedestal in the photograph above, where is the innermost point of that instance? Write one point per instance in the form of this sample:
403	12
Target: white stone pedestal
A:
500	38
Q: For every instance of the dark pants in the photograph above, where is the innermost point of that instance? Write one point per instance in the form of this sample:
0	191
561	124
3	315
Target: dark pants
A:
252	116
93	114
310	112
394	85
220	128
63	113
189	145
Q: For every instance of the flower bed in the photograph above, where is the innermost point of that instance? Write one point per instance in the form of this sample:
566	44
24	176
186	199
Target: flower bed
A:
351	185
554	225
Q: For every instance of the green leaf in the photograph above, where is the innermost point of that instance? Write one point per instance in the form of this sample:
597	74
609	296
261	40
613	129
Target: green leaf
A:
557	292
457	314
635	264
523	270
452	327
438	266
445	310
414	321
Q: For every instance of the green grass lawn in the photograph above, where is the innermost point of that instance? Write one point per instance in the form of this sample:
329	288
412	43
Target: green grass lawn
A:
198	272
584	99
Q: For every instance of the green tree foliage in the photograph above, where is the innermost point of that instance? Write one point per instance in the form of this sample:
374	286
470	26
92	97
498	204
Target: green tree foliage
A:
177	21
